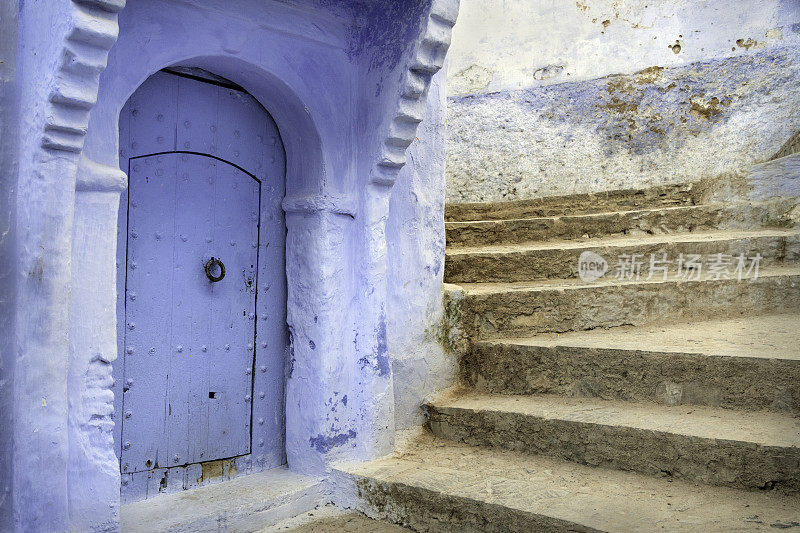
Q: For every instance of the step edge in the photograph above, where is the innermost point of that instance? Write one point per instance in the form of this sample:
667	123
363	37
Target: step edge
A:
515	344
601	214
632	481
620	242
475	289
510	506
447	409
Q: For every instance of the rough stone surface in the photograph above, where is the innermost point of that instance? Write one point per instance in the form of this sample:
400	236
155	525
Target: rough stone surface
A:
792	146
574	204
655	221
559	259
436	485
749	364
679	398
658	126
525	308
776	178
754	450
330	519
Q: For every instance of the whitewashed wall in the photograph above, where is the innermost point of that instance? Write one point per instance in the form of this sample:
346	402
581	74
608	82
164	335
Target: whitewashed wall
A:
537	107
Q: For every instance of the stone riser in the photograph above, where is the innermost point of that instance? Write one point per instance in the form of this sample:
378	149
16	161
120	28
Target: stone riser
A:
666	196
682	219
560	263
525	312
427	510
667	378
730	463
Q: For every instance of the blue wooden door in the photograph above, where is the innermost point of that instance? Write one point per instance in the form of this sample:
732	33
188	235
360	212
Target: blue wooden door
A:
191	269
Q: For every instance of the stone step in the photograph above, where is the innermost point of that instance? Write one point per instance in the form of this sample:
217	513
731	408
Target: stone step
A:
246	503
658	221
747	450
559	259
503	310
435	485
666	196
750	364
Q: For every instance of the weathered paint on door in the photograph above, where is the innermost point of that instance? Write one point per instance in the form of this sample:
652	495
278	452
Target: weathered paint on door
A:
188	342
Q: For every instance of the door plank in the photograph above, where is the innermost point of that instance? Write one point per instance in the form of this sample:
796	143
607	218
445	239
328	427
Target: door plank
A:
148	314
233	310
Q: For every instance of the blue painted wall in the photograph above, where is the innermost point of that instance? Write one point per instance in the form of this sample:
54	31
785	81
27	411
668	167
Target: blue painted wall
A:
339	78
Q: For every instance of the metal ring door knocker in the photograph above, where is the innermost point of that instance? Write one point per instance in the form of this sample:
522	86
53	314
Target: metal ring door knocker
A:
210	267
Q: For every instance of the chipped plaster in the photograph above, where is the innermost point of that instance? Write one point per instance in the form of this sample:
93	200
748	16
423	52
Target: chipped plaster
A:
656	126
511	45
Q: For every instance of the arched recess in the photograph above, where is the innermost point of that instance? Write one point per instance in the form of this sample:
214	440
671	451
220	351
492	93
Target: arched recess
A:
306	164
315	210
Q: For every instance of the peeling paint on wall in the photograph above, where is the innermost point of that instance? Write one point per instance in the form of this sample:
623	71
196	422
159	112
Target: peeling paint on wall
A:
659	125
325	443
508	42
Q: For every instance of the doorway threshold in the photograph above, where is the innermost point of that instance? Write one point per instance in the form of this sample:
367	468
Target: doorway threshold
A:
246	503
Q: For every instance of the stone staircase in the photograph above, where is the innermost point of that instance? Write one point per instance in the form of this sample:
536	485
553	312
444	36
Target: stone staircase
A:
662	400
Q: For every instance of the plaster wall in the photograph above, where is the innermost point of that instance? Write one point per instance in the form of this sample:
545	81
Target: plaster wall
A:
382	25
537	107
517	44
41	318
421	364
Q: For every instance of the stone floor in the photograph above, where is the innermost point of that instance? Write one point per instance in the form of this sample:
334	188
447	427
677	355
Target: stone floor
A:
245	503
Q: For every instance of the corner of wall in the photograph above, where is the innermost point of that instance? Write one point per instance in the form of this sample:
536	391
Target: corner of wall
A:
418	341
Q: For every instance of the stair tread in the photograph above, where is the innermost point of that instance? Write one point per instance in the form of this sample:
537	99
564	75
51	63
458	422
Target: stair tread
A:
621	241
764	337
588	216
477	289
669	195
759	428
600	498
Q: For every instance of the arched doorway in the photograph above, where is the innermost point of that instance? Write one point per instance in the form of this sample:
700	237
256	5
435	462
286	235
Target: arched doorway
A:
201	285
